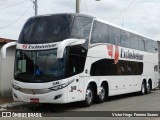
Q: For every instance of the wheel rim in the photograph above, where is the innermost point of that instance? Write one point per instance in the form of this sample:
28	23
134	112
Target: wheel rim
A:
102	93
89	96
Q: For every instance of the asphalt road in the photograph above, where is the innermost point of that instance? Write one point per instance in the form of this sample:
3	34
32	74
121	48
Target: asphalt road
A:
129	102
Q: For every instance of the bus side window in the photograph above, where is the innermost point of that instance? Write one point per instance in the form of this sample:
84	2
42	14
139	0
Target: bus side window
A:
129	70
100	33
114	35
81	28
76	60
73	64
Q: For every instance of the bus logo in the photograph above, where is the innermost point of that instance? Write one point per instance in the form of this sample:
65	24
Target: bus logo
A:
24	46
113	52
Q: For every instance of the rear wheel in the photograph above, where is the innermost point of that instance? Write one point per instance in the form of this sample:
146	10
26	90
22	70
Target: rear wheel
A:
148	88
143	89
102	95
89	97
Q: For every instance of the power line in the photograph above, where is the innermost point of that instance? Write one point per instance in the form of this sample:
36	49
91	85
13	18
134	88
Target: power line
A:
123	10
16	19
13	5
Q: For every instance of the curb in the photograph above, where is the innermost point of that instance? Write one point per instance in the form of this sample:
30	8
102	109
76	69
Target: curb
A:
10	105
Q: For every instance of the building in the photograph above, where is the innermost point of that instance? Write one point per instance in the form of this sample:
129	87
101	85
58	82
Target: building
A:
6	69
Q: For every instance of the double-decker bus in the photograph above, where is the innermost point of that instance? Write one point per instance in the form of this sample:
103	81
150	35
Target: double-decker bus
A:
63	58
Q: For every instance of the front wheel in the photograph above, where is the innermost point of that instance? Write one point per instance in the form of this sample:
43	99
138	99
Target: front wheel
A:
89	97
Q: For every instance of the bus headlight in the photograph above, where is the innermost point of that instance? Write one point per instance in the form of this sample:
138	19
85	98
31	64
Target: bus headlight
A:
15	87
58	87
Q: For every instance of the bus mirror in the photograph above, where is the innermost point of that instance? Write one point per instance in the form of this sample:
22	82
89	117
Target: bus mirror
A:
4	48
68	42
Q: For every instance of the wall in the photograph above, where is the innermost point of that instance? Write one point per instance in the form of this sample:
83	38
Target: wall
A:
6	72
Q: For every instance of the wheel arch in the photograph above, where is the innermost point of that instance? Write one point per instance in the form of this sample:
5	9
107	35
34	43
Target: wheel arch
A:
145	81
93	83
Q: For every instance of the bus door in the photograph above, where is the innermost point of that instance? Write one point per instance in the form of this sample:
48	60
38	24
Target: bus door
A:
72	88
73	72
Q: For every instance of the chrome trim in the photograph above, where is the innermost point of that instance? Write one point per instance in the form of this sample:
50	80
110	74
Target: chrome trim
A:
34	91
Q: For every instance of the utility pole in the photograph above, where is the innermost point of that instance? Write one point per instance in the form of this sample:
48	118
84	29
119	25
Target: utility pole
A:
35	7
77	6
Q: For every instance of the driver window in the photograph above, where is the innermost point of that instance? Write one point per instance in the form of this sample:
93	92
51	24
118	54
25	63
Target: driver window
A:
76	60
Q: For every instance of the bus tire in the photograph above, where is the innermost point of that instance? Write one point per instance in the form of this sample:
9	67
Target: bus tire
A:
102	95
143	88
148	88
89	97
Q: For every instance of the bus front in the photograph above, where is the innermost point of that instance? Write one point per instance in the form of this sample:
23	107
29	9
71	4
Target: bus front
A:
49	58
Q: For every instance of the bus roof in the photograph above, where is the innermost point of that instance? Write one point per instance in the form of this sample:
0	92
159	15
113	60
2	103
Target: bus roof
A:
73	14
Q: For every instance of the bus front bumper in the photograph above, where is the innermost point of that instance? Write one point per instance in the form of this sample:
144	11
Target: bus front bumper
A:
51	97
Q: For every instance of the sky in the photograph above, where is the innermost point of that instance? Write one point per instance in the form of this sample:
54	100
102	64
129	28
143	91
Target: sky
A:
141	16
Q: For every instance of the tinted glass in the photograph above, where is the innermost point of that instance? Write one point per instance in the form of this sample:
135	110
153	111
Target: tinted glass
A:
103	33
39	66
134	41
106	67
81	28
150	46
46	29
125	41
76	60
100	33
114	35
141	44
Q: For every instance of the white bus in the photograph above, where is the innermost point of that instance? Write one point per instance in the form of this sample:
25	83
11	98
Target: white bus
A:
63	58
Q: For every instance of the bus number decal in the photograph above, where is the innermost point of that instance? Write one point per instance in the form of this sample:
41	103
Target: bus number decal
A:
73	88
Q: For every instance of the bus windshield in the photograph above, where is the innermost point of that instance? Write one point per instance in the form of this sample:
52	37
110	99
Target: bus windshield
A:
46	29
39	66
55	28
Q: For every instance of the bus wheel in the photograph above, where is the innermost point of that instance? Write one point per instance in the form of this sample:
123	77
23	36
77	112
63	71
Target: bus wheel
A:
148	88
102	95
89	97
143	89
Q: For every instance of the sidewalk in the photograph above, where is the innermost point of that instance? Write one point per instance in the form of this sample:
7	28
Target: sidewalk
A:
6	100
8	103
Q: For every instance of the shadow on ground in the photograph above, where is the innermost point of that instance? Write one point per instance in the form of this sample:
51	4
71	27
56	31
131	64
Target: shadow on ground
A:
58	108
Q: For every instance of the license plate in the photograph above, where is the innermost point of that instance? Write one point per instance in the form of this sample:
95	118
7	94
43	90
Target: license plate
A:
34	100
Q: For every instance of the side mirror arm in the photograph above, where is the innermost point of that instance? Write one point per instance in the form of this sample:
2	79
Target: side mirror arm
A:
4	48
68	42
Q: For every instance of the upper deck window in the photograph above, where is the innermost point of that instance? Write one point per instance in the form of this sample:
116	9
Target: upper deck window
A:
55	28
100	33
46	29
81	28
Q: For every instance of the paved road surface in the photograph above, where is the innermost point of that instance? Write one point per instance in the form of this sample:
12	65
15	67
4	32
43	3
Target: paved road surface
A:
129	102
